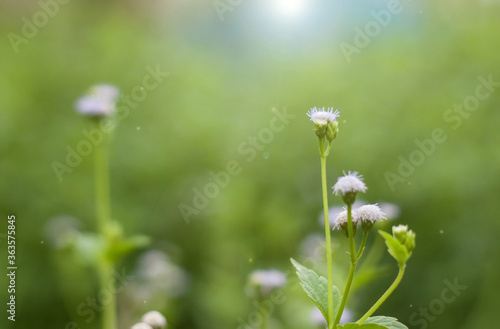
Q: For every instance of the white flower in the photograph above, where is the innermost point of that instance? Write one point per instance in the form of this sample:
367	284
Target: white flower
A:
349	183
333	212
341	220
369	213
317	318
313	246
346	316
155	319
267	280
99	102
105	91
322	117
158	276
141	325
391	210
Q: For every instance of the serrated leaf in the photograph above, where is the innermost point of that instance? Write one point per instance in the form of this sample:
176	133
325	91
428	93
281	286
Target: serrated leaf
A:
316	287
361	326
395	248
387	321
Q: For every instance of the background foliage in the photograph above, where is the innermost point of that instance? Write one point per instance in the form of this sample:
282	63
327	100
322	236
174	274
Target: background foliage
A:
226	76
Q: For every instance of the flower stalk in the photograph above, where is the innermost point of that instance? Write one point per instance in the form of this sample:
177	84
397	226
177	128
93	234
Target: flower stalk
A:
103	212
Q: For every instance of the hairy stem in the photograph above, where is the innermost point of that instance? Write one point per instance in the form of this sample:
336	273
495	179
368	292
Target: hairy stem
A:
328	242
103	210
352	268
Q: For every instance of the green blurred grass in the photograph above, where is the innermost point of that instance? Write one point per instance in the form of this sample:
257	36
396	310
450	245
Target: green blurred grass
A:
222	87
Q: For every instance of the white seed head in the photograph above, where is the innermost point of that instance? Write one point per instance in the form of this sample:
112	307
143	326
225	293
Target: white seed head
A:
100	101
369	213
349	183
155	319
322	117
141	325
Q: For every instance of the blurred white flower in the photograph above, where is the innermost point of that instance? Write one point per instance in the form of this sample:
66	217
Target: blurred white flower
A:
313	246
266	280
317	318
60	230
349	183
346	316
157	279
391	210
155	319
141	325
333	212
100	101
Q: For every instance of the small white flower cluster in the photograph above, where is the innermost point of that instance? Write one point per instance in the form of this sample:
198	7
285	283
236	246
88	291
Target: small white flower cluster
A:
99	102
367	214
151	320
322	117
266	280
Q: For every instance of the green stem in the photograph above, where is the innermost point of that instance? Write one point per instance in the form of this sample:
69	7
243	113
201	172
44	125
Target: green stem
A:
106	280
328	241
103	207
384	296
352	268
362	246
103	210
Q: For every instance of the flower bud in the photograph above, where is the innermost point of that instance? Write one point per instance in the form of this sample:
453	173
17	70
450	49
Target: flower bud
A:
399	232
323	122
332	130
410	241
405	236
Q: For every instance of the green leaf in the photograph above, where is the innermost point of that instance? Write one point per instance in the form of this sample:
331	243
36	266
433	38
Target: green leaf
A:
316	287
387	321
361	326
88	247
395	248
120	248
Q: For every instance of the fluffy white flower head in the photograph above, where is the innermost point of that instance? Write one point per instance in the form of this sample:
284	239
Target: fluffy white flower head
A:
141	325
100	101
341	220
155	319
369	213
322	117
349	183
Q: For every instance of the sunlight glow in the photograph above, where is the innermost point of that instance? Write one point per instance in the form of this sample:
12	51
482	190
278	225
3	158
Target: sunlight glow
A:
290	8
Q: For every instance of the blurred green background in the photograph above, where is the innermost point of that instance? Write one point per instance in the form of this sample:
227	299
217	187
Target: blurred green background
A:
229	72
